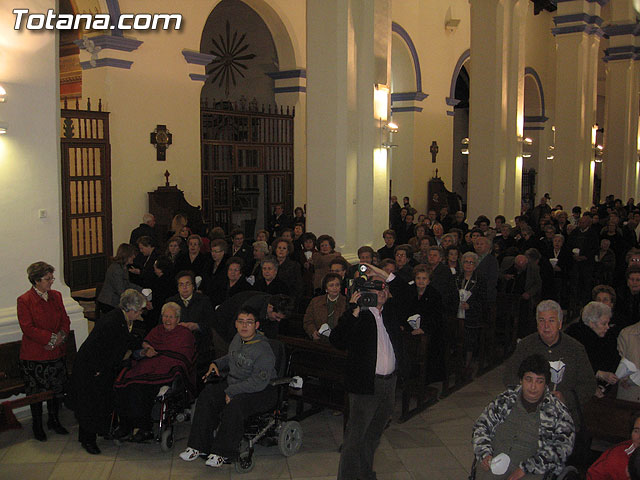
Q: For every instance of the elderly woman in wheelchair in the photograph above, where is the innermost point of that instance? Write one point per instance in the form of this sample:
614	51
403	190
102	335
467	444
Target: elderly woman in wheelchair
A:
525	432
167	357
223	408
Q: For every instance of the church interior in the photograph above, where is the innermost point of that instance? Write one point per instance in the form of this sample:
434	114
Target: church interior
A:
329	105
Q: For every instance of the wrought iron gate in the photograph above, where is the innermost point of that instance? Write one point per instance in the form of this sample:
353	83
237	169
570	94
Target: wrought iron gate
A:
86	193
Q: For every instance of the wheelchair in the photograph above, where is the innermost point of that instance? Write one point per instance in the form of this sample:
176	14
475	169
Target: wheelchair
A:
174	403
272	427
567	473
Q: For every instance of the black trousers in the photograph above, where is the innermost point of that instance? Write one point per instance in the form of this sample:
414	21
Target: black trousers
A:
213	412
368	416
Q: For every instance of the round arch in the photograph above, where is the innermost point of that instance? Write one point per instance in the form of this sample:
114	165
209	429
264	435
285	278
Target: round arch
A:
412	50
534	96
451	99
280	28
282	33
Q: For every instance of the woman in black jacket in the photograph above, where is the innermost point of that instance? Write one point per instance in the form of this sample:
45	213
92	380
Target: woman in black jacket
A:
96	365
473	293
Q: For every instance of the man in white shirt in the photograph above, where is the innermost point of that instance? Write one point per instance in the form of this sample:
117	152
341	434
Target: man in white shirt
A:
373	339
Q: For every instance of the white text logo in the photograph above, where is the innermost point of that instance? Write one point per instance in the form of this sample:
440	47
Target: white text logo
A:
99	21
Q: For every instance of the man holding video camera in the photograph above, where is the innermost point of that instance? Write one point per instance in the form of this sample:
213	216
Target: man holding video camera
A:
370	331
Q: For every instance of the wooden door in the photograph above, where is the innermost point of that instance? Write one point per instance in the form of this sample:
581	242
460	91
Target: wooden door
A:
86	190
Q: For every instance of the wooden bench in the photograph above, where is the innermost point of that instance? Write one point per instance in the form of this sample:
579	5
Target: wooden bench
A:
323	368
12	383
414	387
608	418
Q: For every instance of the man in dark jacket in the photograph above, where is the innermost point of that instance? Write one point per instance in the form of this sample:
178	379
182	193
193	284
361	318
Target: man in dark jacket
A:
145	229
196	313
278	221
394	214
242	250
584	244
443	281
373	340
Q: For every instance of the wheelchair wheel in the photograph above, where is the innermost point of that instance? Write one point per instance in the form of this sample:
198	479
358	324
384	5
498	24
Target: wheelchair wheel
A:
290	438
166	439
245	463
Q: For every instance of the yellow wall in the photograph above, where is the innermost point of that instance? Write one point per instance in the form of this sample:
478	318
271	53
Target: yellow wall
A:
157	90
438	51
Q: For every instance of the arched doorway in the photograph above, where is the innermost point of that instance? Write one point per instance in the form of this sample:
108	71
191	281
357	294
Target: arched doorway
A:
535	161
459	100
247	140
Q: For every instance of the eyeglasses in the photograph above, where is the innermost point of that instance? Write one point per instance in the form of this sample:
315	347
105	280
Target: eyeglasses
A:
48	279
185	284
246	323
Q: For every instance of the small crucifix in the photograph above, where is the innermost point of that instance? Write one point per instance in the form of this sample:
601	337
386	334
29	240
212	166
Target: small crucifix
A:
434	151
166	175
161	138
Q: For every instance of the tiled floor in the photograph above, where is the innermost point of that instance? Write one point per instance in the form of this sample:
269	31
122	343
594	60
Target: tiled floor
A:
433	445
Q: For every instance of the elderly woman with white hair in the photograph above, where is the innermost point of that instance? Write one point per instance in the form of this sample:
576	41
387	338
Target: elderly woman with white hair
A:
594	333
472	289
260	250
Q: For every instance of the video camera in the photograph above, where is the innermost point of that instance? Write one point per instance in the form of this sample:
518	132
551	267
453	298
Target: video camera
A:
368	296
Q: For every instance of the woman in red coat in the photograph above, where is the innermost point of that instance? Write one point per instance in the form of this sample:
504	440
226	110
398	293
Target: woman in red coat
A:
45	327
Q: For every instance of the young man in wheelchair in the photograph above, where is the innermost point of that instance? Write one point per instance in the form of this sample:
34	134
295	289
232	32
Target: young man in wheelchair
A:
526	432
227	404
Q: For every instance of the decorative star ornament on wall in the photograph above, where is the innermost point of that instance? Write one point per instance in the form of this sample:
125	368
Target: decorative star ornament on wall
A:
229	58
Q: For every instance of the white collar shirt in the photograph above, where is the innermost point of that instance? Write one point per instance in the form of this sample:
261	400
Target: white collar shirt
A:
385	355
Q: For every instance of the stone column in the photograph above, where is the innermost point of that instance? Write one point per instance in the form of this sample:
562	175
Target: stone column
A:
496	107
348	54
30	166
621	104
578	36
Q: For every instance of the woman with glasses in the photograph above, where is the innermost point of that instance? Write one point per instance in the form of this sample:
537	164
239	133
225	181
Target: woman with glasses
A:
473	292
45	326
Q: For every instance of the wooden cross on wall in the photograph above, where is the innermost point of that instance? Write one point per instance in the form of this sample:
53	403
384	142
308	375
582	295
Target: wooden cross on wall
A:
161	138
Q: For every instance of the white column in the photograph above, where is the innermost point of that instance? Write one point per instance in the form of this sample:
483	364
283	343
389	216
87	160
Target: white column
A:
576	90
30	168
496	107
348	52
621	107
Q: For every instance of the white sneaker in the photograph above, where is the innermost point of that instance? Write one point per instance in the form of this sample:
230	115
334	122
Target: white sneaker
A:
215	461
190	454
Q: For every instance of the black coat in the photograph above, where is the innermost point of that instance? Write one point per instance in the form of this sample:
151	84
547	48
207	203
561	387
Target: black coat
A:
222	292
212	280
276	287
627	308
143	230
246	254
387	252
97	363
198	266
443	280
291	274
602	352
225	315
429	306
359	336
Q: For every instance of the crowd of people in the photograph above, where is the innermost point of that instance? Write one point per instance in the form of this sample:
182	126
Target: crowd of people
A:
576	278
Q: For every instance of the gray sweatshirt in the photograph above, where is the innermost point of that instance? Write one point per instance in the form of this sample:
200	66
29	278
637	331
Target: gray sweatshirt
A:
251	365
